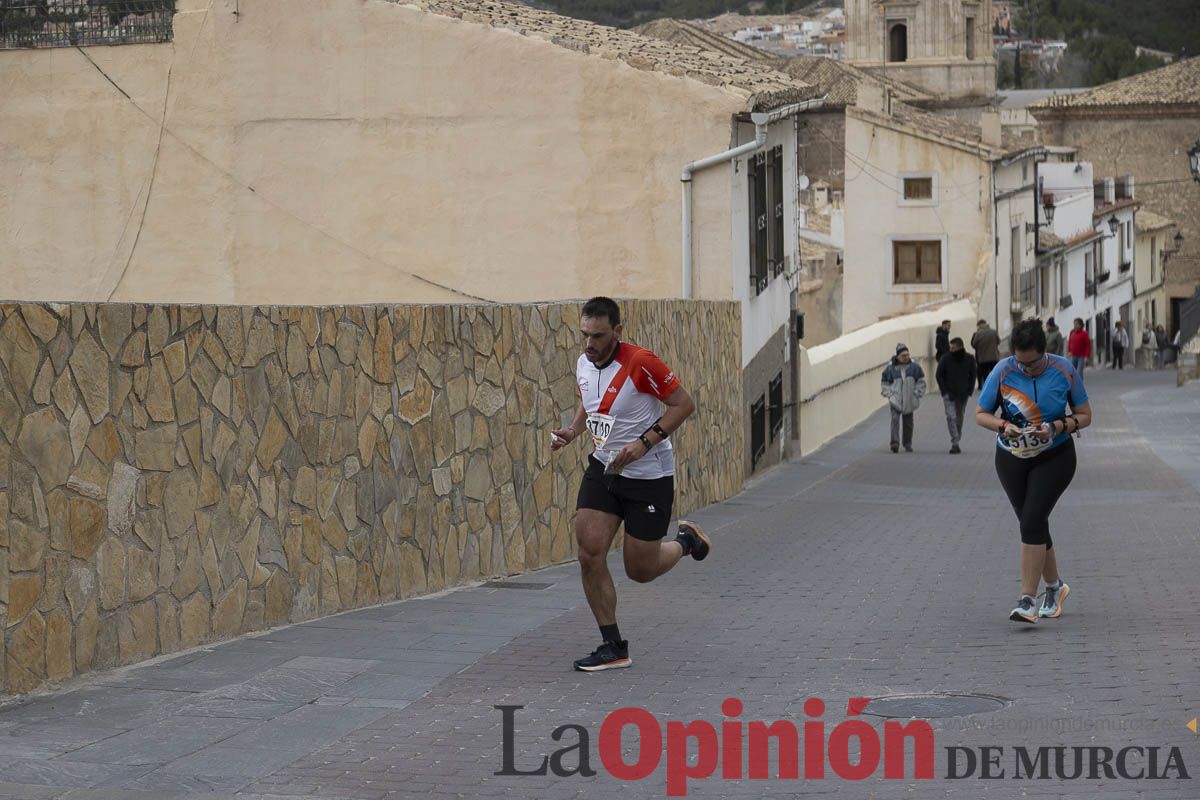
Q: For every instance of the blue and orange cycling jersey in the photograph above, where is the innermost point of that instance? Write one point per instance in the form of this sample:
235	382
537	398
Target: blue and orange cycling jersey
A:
1028	402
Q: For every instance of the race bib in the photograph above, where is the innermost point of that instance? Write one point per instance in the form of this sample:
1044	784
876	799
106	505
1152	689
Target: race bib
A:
600	426
1027	445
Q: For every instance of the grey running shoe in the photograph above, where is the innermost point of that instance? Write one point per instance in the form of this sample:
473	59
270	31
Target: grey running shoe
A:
1052	605
1025	611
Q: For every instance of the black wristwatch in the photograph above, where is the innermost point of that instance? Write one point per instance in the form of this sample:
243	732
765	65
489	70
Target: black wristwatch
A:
642	438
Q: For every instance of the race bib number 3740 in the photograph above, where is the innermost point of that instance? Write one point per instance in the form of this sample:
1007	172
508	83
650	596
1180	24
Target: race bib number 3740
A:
600	426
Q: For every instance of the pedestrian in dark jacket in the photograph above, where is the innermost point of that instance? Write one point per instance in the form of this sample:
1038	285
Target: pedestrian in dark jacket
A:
903	384
986	344
956	373
941	341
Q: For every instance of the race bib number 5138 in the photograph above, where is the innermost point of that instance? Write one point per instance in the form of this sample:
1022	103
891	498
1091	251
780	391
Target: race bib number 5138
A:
1027	445
600	426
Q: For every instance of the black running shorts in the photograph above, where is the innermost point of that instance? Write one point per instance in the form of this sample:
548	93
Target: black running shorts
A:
645	505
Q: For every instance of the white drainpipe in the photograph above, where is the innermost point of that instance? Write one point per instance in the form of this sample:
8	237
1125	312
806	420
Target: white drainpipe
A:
760	120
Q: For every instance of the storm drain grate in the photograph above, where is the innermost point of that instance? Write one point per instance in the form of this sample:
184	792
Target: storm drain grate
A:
929	706
516	585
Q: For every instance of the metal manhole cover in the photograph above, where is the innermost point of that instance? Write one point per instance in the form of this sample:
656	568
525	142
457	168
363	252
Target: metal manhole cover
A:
928	706
516	585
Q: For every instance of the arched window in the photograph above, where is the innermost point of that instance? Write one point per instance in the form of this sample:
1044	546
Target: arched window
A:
898	42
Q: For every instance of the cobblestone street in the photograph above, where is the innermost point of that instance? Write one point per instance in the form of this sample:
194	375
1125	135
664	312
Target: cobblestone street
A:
852	573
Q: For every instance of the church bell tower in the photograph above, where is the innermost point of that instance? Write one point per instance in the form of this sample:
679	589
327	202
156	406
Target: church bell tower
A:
941	46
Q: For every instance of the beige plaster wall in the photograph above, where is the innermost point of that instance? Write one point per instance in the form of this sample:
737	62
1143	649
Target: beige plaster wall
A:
961	218
171	475
1150	304
351	152
839	380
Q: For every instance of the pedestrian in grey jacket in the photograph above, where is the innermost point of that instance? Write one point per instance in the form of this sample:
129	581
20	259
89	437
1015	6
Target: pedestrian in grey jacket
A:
903	384
1054	339
986	344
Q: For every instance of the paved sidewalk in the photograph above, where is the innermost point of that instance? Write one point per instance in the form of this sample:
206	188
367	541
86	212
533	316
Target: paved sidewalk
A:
855	572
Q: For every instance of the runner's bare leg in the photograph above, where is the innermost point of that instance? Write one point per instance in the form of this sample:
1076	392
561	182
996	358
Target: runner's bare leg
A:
594	533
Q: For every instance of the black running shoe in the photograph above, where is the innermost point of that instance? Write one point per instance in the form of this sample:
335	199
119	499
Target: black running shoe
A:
610	655
697	543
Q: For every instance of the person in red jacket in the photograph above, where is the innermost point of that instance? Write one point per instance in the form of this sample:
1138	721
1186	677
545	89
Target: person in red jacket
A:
1079	346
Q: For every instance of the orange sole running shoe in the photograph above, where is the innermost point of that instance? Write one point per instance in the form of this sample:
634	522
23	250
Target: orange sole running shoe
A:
1052	608
702	546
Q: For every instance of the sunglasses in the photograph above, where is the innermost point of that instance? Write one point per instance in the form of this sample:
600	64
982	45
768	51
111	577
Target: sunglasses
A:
1032	367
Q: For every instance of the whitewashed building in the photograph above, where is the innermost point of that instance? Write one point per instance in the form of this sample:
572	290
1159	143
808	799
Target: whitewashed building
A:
1086	252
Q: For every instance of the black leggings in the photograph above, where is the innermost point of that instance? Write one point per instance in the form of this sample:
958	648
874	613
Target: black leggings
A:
1033	486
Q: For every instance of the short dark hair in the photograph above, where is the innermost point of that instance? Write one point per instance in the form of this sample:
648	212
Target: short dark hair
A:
1027	334
1051	321
957	340
945	322
602	307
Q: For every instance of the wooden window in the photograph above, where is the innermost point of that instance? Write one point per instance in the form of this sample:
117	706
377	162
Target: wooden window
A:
917	262
766	217
918	188
758	430
757	175
776	410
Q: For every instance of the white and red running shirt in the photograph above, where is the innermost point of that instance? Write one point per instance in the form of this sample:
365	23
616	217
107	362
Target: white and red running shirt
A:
622	400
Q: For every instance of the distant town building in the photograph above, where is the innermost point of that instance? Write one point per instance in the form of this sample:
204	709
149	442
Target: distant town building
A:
943	46
1143	125
1002	13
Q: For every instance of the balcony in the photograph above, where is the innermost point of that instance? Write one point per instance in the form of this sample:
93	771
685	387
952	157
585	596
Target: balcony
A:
80	23
1103	276
1125	267
1064	301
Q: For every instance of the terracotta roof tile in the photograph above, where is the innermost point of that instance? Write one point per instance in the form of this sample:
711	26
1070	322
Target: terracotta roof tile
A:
1107	208
761	87
1082	237
836	80
951	129
1174	84
686	33
1149	221
839	81
1048	241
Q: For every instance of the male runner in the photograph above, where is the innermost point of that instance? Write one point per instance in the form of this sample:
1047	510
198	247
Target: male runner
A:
630	475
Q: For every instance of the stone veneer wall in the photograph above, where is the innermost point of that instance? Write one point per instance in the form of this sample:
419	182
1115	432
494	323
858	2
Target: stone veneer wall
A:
171	475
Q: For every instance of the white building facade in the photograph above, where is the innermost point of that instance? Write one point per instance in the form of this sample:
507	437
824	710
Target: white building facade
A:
1087	254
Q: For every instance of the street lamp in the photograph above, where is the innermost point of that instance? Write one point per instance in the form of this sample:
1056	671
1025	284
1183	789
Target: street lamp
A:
1178	240
1113	224
1048	210
1194	161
